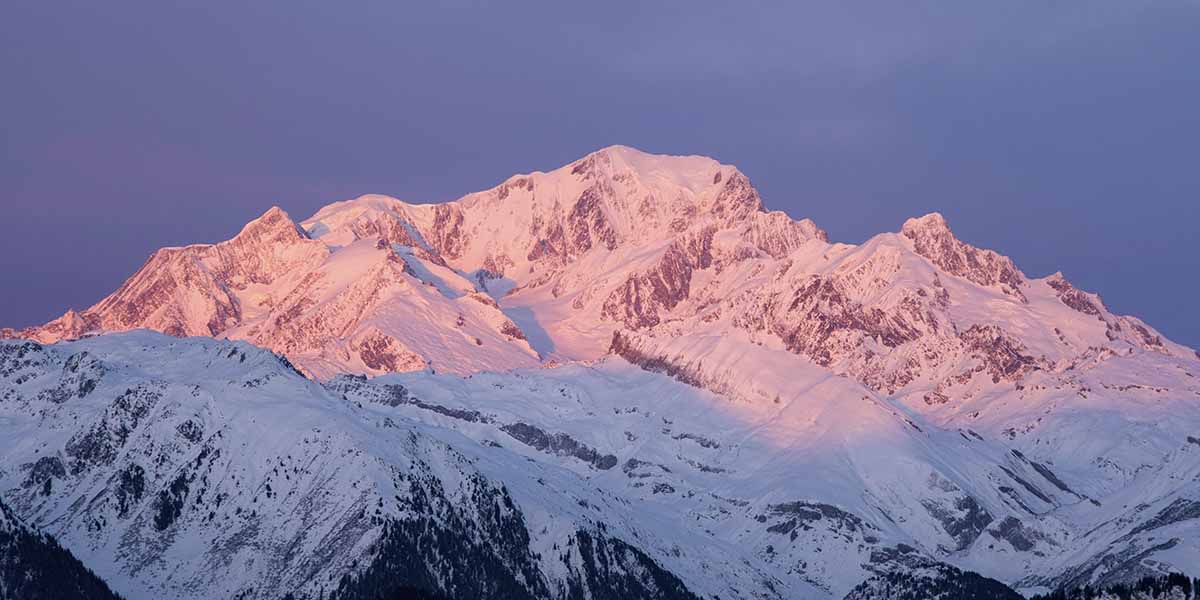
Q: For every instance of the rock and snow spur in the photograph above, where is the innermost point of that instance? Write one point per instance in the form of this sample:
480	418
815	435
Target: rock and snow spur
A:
751	409
365	307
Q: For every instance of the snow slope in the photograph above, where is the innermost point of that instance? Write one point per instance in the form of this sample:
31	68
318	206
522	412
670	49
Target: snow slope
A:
199	468
195	468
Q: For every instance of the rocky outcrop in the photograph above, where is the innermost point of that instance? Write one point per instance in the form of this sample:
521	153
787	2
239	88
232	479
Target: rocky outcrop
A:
1001	356
821	322
931	237
628	348
383	353
560	444
1078	300
777	235
644	297
447	232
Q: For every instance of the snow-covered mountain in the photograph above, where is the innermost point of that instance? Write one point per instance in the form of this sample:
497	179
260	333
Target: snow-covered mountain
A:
551	265
199	468
570	254
740	406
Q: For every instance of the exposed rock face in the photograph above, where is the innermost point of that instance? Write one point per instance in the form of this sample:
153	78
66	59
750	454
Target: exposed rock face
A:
447	230
1076	299
820	314
389	230
737	199
643	297
778	235
630	350
931	238
560	444
542	229
884	312
1022	538
383	353
1002	357
588	224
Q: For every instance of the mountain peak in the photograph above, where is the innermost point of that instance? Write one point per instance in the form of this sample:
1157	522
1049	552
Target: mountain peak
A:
621	149
693	172
273	225
931	237
932	223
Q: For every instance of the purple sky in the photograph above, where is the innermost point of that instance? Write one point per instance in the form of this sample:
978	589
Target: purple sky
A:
1064	134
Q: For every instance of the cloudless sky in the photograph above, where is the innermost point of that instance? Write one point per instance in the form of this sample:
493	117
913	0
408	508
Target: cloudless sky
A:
1063	134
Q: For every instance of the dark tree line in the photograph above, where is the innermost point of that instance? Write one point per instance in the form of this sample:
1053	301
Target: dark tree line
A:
950	584
1154	587
34	567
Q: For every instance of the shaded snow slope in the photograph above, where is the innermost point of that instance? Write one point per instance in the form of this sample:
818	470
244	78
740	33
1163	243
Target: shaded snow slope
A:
199	468
167	464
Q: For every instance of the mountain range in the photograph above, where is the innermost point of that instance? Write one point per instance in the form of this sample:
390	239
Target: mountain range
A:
620	378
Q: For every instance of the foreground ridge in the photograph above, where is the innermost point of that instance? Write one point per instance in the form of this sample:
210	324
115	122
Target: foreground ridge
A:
195	455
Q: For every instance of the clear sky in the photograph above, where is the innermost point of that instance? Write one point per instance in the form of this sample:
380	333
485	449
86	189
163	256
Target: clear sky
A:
1063	134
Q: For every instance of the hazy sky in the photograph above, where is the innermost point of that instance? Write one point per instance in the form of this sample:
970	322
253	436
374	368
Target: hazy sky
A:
1064	134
